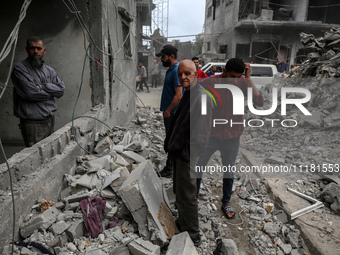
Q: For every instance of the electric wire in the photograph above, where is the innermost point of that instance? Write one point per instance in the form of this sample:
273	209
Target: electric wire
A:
74	109
12	193
291	5
9	45
87	32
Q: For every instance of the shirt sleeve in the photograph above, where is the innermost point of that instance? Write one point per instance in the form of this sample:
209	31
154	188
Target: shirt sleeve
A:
257	100
56	87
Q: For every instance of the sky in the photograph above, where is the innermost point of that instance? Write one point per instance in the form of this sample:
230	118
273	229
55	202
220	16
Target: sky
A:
186	17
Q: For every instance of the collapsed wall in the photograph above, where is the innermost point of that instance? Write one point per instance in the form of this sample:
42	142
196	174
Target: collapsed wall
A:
38	171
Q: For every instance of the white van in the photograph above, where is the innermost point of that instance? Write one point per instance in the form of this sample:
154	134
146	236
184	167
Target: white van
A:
261	74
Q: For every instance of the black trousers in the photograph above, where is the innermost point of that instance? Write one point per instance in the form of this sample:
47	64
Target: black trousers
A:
184	186
34	131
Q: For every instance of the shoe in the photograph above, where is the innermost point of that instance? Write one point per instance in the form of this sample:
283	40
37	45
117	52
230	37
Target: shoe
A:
138	90
166	172
197	240
148	91
228	209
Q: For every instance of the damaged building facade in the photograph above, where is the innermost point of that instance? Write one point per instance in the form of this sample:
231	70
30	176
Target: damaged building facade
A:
92	45
267	29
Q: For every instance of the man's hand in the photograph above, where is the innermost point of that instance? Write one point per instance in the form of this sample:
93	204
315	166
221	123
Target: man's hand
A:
247	70
166	114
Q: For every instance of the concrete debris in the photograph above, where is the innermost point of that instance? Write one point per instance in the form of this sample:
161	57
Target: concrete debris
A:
181	244
229	247
127	179
141	247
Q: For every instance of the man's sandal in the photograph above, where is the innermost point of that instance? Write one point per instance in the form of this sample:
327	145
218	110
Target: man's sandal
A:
228	209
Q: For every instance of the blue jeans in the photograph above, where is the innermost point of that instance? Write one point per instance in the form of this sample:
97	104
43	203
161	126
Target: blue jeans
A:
167	122
229	150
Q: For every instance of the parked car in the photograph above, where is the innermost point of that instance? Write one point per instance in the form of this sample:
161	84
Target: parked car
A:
261	74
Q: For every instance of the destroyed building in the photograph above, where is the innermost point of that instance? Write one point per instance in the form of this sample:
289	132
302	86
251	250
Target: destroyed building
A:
89	44
256	30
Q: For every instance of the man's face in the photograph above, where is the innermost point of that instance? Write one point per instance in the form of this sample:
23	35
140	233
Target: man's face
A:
197	62
36	50
166	60
187	75
231	75
213	69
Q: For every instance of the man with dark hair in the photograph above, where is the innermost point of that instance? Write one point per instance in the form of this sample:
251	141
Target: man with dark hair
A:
35	87
186	138
226	138
171	95
200	74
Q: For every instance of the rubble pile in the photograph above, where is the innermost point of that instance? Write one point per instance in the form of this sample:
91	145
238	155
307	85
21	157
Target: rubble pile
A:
307	144
122	191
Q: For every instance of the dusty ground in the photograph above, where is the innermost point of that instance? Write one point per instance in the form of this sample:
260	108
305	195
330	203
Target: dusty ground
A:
311	225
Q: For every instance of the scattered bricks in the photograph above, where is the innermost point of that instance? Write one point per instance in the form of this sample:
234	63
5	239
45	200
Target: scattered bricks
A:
141	247
44	220
76	230
229	247
59	227
181	244
28	228
142	193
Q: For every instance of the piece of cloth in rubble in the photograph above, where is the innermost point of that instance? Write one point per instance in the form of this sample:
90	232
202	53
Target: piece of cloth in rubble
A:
93	209
37	246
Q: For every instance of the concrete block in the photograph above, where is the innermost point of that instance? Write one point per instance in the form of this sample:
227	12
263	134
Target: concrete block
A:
123	175
44	220
102	162
181	244
76	230
78	197
121	251
115	232
141	247
59	227
133	156
229	247
143	194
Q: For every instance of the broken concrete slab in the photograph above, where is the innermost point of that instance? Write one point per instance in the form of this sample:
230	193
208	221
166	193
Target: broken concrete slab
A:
291	203
134	156
76	230
102	162
141	247
44	220
143	193
181	244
